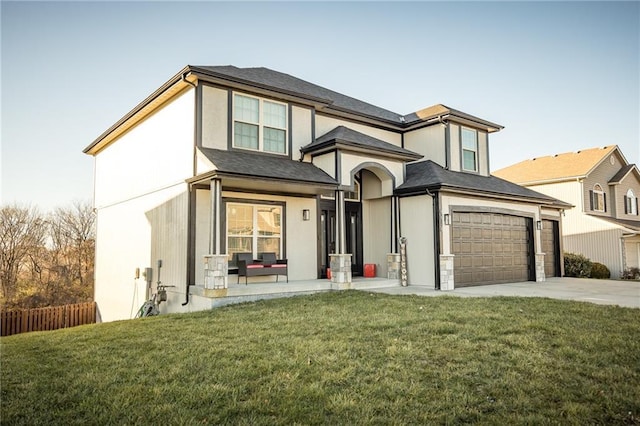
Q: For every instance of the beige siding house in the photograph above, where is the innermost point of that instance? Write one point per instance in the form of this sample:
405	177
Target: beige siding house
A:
604	187
223	162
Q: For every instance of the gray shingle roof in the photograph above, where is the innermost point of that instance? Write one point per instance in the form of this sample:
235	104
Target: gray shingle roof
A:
251	164
429	175
617	178
271	79
347	136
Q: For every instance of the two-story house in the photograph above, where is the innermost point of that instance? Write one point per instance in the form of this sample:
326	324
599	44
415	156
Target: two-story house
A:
604	187
222	160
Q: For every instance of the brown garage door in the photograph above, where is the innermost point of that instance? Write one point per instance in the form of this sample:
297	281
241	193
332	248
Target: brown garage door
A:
551	248
491	248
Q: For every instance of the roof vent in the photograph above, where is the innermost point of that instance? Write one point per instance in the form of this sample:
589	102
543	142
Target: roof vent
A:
578	152
401	119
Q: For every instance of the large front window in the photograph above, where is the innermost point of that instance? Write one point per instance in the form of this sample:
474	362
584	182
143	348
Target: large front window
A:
469	150
254	228
259	124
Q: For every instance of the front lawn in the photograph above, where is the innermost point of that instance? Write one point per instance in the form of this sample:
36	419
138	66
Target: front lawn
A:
335	358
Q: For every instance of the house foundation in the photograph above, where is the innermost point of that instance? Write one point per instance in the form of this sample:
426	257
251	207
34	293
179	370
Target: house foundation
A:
540	276
216	275
341	277
446	272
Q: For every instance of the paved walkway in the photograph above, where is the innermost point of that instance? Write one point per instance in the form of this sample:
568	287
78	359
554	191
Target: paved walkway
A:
602	292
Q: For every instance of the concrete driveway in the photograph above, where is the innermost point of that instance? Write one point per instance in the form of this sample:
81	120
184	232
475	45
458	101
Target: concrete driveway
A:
602	292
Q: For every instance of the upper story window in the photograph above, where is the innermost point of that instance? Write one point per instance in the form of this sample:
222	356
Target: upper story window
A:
469	150
598	199
631	203
259	124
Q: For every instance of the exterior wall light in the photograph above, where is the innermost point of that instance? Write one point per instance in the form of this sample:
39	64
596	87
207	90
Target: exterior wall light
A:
447	219
539	225
306	214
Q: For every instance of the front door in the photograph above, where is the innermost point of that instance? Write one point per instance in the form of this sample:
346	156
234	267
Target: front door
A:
353	227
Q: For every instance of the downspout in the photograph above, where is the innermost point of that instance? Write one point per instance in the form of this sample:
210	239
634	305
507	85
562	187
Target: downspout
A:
189	242
436	236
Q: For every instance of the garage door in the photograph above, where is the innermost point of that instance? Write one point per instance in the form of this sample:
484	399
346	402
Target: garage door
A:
551	248
491	248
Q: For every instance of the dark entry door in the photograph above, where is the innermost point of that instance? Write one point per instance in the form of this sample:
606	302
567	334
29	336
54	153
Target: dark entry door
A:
353	227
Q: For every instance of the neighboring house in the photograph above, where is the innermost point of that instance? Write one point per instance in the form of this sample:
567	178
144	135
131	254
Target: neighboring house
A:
604	187
222	160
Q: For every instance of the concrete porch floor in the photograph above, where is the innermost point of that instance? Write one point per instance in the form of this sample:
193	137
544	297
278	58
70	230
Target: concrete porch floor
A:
607	292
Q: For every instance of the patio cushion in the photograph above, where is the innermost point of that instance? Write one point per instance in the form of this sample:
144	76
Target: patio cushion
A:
253	266
276	265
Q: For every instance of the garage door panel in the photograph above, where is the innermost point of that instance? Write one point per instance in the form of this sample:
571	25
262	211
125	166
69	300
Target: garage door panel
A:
490	248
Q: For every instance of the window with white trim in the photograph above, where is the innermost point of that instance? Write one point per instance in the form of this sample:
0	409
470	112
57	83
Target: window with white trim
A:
259	124
254	228
469	138
598	199
631	203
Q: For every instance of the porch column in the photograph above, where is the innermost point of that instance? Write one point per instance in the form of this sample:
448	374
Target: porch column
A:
216	205
341	236
340	261
216	267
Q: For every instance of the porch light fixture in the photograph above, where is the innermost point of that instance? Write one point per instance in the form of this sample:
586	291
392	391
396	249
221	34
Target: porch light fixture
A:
447	219
539	225
306	214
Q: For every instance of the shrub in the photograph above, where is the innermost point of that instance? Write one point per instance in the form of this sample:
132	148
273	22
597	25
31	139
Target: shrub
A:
576	265
631	274
600	271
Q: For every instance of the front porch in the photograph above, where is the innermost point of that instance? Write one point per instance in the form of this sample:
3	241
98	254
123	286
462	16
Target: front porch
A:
204	299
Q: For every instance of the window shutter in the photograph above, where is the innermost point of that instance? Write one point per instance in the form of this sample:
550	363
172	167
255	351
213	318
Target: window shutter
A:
590	200
637	212
604	199
626	207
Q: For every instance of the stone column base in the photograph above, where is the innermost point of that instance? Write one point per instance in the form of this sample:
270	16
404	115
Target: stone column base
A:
216	272
446	272
340	271
540	276
393	266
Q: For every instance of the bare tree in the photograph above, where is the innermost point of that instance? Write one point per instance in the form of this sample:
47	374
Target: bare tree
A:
72	248
22	233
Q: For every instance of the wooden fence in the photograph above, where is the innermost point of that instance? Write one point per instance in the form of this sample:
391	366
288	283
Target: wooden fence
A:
43	319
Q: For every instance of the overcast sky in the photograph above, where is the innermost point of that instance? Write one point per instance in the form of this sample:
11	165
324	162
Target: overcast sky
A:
559	76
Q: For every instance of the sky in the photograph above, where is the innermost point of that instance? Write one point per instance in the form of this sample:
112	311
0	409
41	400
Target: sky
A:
560	76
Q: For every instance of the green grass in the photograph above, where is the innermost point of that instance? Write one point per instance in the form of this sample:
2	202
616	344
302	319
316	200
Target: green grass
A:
335	358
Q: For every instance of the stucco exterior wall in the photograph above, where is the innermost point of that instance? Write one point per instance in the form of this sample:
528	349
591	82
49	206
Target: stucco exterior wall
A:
141	202
136	234
325	124
300	129
428	141
157	153
215	117
416	219
376	215
350	162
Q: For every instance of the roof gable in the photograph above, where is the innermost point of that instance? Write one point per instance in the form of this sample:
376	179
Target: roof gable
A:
342	135
559	167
